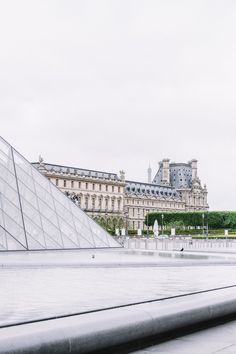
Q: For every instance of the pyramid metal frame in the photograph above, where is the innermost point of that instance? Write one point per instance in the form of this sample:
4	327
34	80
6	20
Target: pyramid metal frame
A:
36	215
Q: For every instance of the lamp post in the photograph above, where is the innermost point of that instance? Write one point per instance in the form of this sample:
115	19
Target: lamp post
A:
207	225
162	223
106	220
126	221
203	217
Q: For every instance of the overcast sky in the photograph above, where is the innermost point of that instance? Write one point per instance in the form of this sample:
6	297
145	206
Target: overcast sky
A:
114	84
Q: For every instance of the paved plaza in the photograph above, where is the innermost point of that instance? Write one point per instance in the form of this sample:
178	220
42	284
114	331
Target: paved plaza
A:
216	340
40	285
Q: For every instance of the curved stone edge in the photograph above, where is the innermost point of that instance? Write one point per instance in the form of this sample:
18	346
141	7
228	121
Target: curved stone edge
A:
101	330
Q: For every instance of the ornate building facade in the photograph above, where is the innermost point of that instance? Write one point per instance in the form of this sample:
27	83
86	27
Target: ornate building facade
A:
111	199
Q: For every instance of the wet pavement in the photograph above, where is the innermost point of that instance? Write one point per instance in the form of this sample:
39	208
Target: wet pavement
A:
39	285
220	340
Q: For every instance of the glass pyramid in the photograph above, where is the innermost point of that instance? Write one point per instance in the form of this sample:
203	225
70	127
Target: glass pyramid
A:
36	215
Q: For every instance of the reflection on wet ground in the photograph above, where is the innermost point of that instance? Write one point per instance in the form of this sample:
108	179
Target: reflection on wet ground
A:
45	284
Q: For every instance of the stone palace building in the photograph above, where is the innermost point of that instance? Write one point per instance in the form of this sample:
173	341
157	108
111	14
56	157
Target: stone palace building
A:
110	199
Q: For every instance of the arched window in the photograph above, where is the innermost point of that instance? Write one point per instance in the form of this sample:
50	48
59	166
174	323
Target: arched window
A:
100	202
93	202
86	202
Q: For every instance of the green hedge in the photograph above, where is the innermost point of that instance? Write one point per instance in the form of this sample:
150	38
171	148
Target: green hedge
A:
214	219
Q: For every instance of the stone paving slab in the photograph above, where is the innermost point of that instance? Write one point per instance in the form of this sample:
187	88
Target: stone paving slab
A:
220	339
106	329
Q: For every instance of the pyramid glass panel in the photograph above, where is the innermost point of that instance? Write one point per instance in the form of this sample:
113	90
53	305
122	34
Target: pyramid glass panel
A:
41	180
27	195
51	245
84	231
7	175
3	239
68	242
36	215
24	178
68	231
59	196
54	232
31	211
44	195
64	213
9	193
6	156
35	232
33	244
12	211
14	229
13	244
48	212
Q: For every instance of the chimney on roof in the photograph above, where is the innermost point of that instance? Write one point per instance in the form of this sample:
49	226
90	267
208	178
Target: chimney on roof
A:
193	164
166	171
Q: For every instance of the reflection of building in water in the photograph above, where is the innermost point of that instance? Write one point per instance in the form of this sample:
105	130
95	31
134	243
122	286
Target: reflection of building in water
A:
175	187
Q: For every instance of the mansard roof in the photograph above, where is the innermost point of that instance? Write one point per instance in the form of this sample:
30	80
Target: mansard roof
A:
76	171
180	175
151	189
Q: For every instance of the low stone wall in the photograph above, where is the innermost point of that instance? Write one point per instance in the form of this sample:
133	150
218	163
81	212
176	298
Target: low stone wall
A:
119	326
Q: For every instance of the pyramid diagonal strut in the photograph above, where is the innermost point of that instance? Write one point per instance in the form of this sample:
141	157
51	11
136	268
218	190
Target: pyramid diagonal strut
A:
36	215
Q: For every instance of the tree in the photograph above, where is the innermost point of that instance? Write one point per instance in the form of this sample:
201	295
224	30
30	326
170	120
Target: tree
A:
214	219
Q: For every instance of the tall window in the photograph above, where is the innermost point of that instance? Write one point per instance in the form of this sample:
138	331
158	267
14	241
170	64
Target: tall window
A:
64	183
79	184
86	185
57	182
118	202
100	187
118	189
106	187
113	203
100	203
93	186
72	184
86	202
93	202
112	188
106	202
